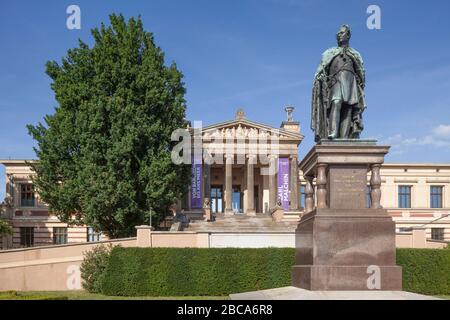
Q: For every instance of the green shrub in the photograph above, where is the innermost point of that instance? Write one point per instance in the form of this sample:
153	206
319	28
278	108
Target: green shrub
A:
93	267
425	271
195	271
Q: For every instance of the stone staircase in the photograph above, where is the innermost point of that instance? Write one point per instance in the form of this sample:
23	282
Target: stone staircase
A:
292	216
243	223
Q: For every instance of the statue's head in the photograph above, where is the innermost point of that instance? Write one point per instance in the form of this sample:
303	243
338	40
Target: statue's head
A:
343	35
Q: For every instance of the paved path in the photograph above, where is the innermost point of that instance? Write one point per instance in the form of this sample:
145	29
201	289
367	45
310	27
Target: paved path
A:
293	293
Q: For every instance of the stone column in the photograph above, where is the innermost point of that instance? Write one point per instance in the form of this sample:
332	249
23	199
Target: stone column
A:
207	180
250	186
272	182
189	198
375	185
228	184
309	195
321	182
293	198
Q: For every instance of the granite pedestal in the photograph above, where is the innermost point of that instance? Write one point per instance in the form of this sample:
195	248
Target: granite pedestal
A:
345	242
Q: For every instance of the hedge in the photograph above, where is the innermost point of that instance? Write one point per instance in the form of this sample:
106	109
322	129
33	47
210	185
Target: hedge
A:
425	271
215	272
195	271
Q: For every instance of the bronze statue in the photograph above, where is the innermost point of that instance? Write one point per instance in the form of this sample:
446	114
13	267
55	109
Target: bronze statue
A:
338	92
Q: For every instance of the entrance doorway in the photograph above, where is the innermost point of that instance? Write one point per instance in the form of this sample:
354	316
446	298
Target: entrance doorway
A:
236	200
216	199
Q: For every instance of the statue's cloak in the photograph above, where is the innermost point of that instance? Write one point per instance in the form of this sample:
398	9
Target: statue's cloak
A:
320	95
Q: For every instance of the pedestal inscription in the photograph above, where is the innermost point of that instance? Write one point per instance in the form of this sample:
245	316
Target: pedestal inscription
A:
347	187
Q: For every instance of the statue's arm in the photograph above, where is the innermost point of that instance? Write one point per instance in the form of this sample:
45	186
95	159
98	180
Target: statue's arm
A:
321	69
360	72
320	72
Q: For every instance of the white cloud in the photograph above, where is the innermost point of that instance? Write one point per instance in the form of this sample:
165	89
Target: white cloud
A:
439	137
442	131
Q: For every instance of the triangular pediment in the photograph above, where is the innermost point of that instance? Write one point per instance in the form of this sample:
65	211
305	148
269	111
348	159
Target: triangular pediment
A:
243	128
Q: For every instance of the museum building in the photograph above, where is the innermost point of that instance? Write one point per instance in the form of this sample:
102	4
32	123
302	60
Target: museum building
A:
242	183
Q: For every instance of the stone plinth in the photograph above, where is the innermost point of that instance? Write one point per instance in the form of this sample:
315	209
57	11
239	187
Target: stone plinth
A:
341	244
207	214
144	236
277	214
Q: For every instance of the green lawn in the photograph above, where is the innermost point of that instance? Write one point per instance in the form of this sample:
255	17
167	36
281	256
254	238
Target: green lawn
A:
83	295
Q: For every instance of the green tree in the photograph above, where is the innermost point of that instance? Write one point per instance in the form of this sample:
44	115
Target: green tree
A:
104	155
5	228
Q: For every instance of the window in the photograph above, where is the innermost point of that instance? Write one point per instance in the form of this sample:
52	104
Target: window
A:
404	229
59	235
216	199
436	196
26	236
368	196
404	196
26	195
93	236
437	233
302	196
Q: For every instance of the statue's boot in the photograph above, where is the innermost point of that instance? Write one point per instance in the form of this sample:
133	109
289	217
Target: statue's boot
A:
335	116
346	119
332	135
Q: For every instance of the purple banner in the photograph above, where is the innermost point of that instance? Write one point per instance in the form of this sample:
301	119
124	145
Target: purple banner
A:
283	182
196	184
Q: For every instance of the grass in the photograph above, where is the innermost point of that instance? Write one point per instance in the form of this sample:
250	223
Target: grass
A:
83	295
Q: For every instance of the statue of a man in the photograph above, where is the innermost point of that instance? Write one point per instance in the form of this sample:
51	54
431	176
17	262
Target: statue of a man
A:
338	92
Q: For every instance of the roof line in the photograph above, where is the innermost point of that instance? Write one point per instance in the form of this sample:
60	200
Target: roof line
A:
257	124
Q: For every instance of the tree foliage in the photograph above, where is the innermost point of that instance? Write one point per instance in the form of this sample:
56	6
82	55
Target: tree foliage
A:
5	228
104	155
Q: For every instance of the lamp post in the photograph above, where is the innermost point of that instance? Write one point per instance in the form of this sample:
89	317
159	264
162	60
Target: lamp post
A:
150	220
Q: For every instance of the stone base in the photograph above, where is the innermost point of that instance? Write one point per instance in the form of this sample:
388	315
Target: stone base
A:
207	214
346	237
335	247
346	277
250	212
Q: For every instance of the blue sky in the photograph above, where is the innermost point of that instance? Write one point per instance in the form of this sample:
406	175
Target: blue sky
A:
256	54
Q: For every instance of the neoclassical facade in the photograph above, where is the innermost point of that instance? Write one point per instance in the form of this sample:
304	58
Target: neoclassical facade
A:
245	167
